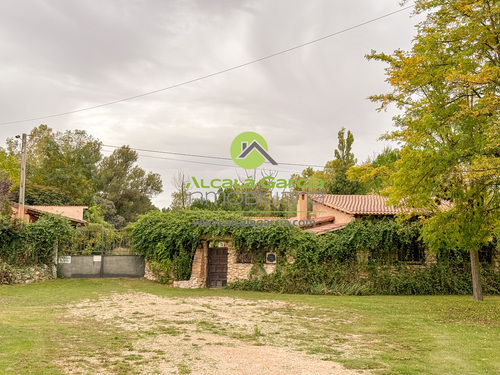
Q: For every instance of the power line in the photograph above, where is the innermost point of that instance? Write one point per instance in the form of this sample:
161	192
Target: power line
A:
207	156
201	162
212	74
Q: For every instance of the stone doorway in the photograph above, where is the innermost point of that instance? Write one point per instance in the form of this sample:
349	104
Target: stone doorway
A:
217	267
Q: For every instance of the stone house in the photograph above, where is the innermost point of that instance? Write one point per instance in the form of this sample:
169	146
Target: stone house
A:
332	212
216	266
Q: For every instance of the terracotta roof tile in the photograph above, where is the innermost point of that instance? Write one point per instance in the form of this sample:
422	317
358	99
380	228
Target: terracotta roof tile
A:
266	218
317	221
326	228
359	204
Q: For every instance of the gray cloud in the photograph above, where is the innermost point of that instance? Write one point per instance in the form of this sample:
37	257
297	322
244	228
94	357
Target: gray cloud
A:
60	56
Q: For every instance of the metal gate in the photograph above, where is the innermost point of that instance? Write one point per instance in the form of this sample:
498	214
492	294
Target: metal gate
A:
102	266
217	267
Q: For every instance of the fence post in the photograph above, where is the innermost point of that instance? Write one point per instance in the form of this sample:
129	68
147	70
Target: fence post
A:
54	260
102	252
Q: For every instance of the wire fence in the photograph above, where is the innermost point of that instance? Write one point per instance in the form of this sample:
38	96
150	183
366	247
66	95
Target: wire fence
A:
96	239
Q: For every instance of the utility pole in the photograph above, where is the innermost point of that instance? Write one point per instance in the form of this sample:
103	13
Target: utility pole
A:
22	184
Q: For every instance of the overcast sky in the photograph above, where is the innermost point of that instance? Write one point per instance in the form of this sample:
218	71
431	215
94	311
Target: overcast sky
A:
62	55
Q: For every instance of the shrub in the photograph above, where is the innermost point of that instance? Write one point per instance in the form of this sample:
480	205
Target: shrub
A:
6	274
94	238
11	239
42	235
324	264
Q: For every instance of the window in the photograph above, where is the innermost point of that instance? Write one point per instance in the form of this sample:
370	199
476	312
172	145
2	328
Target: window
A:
244	257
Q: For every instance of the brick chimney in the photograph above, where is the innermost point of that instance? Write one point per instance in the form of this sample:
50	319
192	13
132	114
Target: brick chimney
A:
302	206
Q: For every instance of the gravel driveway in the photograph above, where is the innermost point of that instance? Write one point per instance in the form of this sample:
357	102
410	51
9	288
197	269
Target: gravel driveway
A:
218	335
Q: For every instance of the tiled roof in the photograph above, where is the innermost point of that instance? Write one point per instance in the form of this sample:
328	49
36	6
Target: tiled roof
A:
36	211
326	228
317	220
266	218
359	204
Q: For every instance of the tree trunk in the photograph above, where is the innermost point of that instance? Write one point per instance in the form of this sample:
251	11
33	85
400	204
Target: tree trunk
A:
477	291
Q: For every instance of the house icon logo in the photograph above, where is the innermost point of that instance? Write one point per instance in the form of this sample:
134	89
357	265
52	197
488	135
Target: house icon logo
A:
249	150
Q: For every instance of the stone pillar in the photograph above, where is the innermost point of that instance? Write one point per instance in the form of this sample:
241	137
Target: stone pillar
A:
495	259
198	277
430	257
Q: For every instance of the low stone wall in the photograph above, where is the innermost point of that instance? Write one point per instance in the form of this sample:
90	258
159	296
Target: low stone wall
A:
25	275
148	272
192	283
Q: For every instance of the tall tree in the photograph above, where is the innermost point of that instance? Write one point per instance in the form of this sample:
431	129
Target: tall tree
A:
129	187
448	87
375	173
180	200
335	170
9	167
65	162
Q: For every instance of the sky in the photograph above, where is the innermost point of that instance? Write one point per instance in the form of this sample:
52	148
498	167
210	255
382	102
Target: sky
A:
64	55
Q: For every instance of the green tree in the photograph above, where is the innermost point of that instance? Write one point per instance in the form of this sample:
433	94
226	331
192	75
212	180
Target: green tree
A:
9	175
448	88
66	162
375	174
335	170
9	167
129	187
5	185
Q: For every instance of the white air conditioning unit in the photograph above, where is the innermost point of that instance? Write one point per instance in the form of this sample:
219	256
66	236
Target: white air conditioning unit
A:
271	258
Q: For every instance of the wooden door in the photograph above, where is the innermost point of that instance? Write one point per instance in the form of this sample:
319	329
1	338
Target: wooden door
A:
217	267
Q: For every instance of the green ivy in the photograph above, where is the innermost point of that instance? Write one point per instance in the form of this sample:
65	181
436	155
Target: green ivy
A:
160	236
94	238
42	235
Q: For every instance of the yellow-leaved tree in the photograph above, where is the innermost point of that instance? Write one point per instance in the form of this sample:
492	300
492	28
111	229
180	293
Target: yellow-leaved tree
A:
448	87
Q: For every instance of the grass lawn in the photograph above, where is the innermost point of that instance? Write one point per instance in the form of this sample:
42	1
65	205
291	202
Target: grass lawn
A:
96	325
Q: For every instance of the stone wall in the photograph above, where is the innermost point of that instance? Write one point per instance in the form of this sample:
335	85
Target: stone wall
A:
24	275
241	271
198	277
235	270
429	257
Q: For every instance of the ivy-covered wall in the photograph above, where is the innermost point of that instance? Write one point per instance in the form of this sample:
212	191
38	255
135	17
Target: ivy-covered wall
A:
328	264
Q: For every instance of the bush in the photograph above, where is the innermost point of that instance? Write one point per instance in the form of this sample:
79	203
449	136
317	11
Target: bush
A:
162	271
11	239
94	239
42	236
182	263
349	279
6	274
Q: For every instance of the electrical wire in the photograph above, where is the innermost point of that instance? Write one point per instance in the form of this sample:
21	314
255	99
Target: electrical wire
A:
207	156
211	74
205	163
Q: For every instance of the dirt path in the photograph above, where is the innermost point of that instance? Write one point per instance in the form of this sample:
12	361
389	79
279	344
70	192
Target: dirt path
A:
220	335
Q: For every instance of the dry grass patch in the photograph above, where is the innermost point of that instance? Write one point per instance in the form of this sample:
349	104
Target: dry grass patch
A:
223	335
